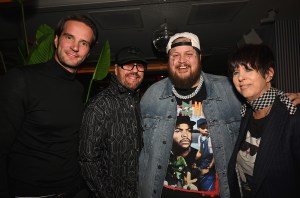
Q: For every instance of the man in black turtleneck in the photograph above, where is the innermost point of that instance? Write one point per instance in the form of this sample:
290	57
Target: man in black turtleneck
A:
41	108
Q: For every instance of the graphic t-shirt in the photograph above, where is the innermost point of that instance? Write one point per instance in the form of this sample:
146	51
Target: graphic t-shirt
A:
248	151
196	176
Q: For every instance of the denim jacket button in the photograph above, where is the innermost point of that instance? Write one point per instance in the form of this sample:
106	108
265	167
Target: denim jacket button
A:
164	142
169	116
159	166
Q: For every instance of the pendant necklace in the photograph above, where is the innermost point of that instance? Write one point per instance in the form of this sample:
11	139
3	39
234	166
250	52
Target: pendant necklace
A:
190	95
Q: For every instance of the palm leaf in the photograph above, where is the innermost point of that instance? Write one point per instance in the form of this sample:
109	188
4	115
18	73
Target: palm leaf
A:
102	67
43	48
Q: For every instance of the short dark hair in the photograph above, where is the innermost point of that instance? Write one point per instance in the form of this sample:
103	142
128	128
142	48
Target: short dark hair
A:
81	18
259	56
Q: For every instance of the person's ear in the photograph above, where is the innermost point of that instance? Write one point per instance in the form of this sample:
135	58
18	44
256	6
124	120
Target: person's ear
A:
56	41
270	74
116	69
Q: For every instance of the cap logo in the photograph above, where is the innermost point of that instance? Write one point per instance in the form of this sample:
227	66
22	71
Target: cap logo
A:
129	55
133	51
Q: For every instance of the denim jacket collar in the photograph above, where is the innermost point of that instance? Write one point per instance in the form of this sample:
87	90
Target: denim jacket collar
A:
167	90
211	90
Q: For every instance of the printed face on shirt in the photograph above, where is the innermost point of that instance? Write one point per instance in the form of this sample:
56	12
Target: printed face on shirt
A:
73	45
250	83
184	65
182	136
130	79
203	129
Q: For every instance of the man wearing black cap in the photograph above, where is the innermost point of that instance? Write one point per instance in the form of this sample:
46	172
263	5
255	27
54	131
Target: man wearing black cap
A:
182	136
181	149
111	132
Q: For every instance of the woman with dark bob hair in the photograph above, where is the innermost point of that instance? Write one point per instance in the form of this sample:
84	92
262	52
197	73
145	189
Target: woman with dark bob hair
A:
266	158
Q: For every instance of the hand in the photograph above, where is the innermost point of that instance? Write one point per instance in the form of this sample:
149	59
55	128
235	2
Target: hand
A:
294	97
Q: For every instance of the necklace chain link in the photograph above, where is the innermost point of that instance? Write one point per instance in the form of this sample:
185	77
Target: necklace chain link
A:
190	95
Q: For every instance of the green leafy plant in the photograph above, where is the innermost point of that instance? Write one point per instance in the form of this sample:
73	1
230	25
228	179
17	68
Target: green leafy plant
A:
102	67
43	48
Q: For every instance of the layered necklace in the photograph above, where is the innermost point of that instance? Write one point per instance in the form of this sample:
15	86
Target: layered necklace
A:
190	95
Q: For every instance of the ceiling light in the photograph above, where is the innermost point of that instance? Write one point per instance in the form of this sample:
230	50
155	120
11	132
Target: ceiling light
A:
161	37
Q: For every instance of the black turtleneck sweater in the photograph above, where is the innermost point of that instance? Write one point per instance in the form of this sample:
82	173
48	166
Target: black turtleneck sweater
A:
41	108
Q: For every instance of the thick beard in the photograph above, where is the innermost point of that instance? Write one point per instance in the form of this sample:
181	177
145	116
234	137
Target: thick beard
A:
186	82
178	149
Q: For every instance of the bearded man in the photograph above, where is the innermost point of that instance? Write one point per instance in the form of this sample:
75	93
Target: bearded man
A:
188	91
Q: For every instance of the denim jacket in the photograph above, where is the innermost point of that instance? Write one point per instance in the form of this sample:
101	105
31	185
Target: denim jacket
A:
159	112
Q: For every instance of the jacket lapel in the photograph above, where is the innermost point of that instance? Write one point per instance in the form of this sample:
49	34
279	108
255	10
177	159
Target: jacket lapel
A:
271	138
243	130
240	139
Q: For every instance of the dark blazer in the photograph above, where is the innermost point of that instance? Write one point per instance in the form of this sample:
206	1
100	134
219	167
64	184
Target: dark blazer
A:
277	167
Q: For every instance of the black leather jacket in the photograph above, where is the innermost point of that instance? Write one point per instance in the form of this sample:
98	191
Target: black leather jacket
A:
110	142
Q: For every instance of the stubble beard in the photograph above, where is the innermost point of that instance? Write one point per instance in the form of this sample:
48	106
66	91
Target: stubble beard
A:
185	82
61	60
132	86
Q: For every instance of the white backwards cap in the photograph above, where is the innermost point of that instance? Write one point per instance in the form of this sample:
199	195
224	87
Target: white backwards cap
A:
194	41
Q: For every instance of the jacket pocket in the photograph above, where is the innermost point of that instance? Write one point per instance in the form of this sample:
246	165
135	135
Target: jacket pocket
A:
149	125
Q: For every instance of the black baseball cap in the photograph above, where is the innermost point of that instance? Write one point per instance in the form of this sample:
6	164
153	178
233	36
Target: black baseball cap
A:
201	121
185	120
130	54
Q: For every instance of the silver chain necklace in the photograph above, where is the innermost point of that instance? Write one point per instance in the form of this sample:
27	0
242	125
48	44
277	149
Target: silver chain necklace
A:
190	95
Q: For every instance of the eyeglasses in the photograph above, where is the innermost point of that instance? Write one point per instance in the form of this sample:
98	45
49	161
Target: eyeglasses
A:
129	66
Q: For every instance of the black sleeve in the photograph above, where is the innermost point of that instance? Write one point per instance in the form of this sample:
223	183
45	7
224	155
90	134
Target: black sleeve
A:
90	151
12	92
